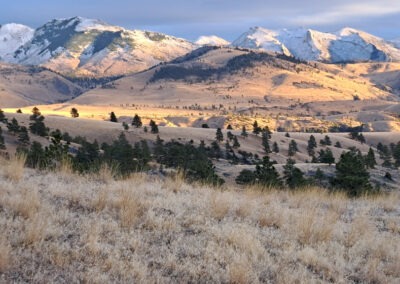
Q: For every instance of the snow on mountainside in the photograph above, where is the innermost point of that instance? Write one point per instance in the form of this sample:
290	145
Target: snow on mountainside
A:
396	42
90	47
12	36
347	45
212	40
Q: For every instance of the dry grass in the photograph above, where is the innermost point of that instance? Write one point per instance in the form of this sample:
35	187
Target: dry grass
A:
14	169
147	230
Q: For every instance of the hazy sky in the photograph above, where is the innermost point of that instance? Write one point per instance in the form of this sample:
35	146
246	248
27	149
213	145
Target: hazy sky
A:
225	18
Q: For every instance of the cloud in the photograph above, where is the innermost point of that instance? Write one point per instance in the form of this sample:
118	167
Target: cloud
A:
349	12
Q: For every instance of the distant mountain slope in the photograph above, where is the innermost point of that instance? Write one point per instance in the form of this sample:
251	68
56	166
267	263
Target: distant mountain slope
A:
347	45
23	86
82	46
12	36
237	79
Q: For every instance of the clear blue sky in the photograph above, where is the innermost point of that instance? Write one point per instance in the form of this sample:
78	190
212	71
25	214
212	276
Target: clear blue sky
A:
225	18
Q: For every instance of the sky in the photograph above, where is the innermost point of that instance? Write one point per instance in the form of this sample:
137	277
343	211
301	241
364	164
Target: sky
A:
226	18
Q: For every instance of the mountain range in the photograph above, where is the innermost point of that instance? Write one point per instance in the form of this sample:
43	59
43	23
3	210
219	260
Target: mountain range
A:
84	47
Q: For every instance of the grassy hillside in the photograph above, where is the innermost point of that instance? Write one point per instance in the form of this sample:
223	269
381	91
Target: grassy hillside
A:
60	227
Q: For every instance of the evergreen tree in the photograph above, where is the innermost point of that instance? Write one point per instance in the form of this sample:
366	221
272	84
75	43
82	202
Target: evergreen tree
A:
293	176
326	156
266	173
327	140
287	135
125	126
396	154
19	110
386	156
121	152
219	136
145	129
159	149
312	144
229	135
153	127
23	136
36	156
244	132
267	132
113	117
37	125
215	150
370	160
275	147
292	148
256	128
2	143
2	116
351	174
236	143
338	145
246	177
74	113
13	126
265	142
229	127
137	121
319	176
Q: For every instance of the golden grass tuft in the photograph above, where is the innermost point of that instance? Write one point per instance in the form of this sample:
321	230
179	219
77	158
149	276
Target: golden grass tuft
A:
5	256
15	167
129	206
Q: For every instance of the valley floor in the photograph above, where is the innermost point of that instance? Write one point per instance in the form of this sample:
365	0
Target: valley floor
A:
63	228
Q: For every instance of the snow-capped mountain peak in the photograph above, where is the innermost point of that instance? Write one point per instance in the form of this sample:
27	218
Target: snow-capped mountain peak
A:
12	36
212	40
347	45
87	46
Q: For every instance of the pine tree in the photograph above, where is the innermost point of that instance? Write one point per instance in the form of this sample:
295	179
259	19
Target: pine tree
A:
256	128
229	127
13	126
326	156
265	142
327	140
37	125
246	177
292	148
312	144
2	143
287	135
338	145
236	143
219	136
19	110
113	117
293	176
137	121
229	135
370	160
74	113
23	136
266	173
275	147
125	126
145	129
396	154
2	116
153	127
352	175
244	132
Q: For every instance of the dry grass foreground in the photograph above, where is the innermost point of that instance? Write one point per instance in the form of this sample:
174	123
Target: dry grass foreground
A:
60	228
